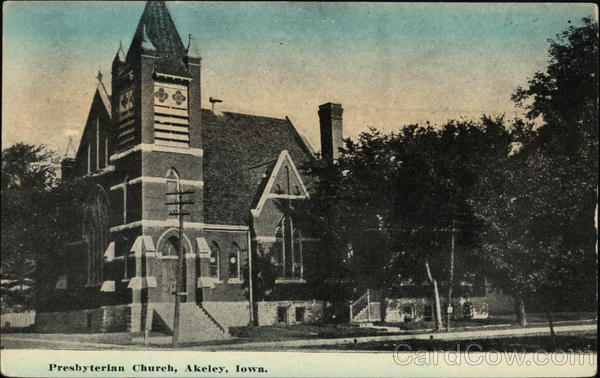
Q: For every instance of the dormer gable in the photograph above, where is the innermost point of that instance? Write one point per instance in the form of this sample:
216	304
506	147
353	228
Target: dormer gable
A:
285	182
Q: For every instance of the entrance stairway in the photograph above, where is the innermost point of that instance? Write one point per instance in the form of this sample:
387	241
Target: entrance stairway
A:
365	310
195	323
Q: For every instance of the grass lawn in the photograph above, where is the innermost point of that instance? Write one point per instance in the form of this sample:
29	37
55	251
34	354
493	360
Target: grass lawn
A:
325	331
302	331
496	320
575	341
280	332
107	338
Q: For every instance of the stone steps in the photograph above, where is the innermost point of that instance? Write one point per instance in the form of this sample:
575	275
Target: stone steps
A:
195	323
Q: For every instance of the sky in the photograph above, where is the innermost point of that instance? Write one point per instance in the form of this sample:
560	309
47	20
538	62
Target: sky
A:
388	64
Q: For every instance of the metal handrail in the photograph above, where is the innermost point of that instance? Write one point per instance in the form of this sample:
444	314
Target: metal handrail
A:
360	304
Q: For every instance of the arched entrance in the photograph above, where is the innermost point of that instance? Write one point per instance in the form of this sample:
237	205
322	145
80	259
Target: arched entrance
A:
169	251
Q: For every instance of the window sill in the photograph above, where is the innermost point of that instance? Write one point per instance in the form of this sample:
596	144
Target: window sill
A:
290	280
213	279
234	281
102	171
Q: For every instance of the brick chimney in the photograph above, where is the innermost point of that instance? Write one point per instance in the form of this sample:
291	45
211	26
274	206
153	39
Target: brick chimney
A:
330	117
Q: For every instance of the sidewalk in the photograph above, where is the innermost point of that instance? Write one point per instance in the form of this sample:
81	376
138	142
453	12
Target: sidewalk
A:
459	335
56	341
68	341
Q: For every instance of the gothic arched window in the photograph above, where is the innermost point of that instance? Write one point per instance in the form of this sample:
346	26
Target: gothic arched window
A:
278	251
297	269
96	224
173	186
215	253
171	247
288	247
287	250
234	261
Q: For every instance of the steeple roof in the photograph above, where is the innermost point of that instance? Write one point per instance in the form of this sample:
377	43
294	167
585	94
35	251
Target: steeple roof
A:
156	32
120	53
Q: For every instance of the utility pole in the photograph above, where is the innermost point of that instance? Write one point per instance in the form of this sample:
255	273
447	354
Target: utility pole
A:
250	281
180	258
449	308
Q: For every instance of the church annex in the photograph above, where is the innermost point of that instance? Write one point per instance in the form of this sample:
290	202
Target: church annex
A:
148	137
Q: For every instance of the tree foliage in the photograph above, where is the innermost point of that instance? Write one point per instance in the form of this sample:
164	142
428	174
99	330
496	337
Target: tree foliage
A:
391	200
28	176
522	195
38	213
539	205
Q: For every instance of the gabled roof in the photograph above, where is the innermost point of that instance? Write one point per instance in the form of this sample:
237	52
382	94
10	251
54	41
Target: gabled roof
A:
101	90
240	152
100	104
266	192
156	31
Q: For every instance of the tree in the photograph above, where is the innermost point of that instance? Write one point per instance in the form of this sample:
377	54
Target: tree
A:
28	176
40	215
396	198
538	205
264	274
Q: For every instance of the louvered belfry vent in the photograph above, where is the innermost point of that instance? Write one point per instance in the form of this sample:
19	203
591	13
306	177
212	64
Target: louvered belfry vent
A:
171	117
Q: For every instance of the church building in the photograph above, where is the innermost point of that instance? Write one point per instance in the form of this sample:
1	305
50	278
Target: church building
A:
148	137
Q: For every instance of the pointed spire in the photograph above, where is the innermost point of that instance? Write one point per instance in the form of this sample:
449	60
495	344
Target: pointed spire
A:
120	53
70	150
157	30
192	48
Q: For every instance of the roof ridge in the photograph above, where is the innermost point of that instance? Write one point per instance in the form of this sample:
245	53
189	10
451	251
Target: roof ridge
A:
101	89
303	140
247	114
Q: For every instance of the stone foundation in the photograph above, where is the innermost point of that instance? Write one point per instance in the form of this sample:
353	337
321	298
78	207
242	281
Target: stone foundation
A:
289	312
103	319
421	309
116	318
125	318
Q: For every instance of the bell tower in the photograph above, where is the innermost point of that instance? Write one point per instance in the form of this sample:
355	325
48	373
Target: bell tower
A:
156	110
156	130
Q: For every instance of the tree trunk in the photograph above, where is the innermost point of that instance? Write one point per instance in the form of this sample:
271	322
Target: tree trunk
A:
552	334
520	312
436	297
382	302
21	274
450	284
